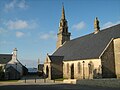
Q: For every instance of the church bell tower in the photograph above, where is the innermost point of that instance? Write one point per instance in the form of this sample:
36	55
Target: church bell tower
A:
63	34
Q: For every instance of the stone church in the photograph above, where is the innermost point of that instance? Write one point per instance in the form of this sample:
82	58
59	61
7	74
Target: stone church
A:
96	55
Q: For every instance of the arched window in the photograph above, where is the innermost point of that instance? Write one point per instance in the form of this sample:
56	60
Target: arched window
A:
67	67
47	71
79	67
91	67
72	71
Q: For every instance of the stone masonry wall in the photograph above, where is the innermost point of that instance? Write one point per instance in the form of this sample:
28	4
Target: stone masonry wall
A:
57	70
108	62
96	70
117	56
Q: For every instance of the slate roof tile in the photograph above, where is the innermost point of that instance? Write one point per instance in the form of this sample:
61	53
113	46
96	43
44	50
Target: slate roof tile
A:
89	46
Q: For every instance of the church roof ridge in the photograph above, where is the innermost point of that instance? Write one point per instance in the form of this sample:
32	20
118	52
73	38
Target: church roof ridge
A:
93	33
88	46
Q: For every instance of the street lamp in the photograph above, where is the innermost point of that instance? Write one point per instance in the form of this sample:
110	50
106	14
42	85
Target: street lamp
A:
83	70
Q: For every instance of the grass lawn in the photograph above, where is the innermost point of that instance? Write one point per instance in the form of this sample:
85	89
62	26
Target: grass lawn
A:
59	79
9	81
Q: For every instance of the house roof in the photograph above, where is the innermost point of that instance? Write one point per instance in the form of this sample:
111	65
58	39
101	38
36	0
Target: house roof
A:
89	46
11	69
56	59
24	67
5	58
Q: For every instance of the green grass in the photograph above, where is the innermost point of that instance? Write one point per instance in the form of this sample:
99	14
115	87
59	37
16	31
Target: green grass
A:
59	79
9	81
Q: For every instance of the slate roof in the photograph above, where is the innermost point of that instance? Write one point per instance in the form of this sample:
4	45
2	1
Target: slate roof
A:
12	69
89	46
5	58
56	59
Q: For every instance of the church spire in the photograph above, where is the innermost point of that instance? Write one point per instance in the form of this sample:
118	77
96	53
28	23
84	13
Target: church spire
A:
63	12
38	61
96	25
63	34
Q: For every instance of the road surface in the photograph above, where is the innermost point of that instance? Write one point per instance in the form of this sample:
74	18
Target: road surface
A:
54	87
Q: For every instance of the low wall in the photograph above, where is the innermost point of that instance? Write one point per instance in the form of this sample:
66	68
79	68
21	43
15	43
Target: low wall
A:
71	81
100	82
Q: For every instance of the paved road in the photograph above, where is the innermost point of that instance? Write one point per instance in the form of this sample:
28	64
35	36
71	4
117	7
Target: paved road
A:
53	87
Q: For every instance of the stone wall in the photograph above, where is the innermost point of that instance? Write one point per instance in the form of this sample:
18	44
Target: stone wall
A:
53	70
57	70
47	68
47	72
59	41
117	56
12	73
18	66
84	69
108	62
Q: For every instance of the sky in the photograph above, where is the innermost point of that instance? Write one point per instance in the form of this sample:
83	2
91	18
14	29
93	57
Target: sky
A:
31	26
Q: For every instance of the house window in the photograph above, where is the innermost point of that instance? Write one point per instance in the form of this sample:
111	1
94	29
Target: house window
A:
67	67
91	67
79	67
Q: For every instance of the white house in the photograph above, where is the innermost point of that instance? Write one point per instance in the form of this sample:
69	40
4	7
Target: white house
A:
11	65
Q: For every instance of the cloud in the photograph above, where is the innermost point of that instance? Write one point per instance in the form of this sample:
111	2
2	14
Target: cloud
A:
21	24
33	24
109	24
15	4
3	42
6	43
10	5
22	4
46	36
2	30
79	26
19	34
